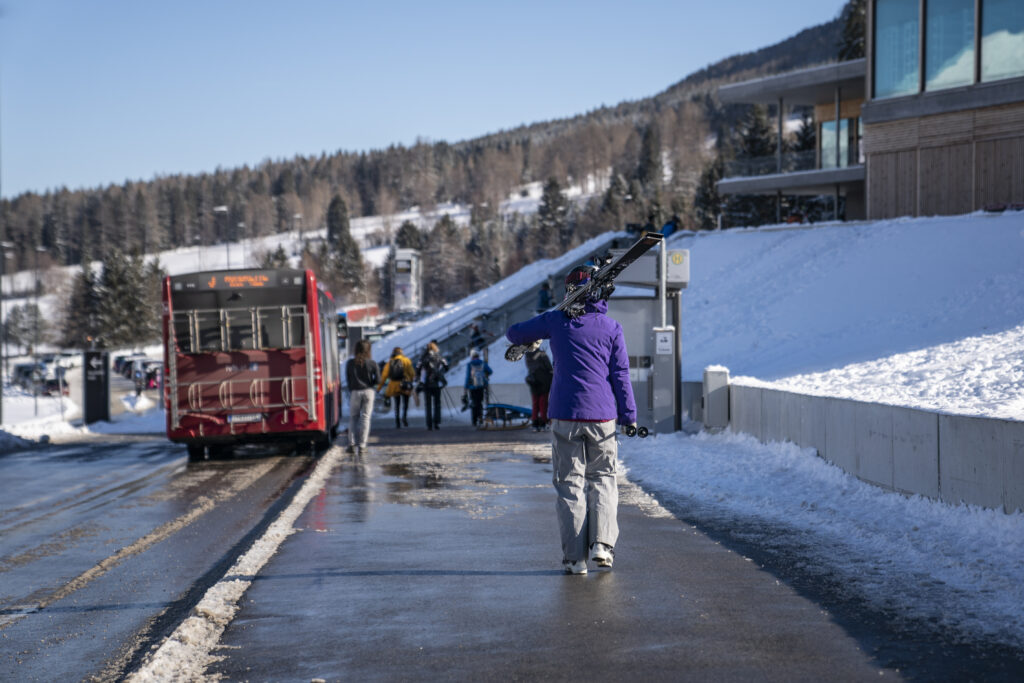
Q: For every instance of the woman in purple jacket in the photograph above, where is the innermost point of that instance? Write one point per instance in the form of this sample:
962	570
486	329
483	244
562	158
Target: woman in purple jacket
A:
589	392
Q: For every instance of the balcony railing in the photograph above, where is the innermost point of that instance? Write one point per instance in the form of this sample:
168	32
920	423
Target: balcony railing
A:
791	161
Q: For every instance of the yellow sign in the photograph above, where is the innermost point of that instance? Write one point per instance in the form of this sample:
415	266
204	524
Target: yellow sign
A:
677	257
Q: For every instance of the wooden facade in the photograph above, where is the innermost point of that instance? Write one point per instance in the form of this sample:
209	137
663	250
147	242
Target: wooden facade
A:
945	164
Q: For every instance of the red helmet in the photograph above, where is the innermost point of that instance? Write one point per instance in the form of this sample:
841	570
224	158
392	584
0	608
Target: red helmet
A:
577	277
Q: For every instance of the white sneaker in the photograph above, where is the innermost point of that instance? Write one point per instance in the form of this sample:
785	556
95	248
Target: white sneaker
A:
577	567
601	554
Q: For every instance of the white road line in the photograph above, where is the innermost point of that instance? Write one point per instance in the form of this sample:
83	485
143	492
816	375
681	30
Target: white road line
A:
185	654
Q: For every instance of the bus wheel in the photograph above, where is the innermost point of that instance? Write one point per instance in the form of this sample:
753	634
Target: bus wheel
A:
196	453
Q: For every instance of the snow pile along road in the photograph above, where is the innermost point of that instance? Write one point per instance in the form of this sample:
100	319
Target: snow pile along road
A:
957	568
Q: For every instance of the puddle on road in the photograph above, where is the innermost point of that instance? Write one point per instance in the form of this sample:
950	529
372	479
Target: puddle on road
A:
475	480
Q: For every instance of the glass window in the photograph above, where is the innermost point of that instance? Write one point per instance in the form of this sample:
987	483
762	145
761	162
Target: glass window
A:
828	144
1002	39
241	336
949	44
896	45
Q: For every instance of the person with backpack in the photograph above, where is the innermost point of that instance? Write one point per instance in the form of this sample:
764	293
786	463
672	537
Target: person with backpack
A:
431	369
590	390
361	376
538	378
398	375
477	372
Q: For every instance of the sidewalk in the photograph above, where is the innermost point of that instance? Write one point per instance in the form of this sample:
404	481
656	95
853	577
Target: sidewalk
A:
436	556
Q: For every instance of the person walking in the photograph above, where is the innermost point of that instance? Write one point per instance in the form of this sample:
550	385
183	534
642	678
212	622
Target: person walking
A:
430	370
538	377
544	297
361	376
590	390
398	376
477	373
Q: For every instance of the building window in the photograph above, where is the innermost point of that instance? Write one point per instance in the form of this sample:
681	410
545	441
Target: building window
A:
896	65
1002	39
949	44
848	147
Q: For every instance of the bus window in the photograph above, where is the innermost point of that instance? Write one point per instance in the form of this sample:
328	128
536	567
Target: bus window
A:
208	325
282	328
240	329
183	332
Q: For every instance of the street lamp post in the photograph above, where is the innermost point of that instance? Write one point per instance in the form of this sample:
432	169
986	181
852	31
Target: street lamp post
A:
245	244
227	242
35	341
4	246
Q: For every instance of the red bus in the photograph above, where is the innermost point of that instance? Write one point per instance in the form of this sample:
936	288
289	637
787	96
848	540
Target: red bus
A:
249	356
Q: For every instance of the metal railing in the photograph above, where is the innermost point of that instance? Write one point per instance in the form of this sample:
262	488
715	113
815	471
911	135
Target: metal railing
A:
767	165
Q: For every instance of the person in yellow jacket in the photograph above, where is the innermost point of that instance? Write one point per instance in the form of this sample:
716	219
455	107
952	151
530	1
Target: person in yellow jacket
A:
398	375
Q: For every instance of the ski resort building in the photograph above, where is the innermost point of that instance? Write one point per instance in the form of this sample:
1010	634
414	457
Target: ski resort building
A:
931	122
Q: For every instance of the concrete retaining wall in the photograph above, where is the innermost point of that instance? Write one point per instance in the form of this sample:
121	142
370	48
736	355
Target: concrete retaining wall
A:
953	458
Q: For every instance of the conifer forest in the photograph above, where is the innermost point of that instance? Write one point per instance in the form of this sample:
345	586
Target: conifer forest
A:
652	161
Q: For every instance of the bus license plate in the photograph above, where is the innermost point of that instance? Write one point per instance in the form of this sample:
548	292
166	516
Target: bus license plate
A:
246	417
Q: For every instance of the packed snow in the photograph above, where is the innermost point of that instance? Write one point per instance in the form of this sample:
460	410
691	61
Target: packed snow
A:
926	313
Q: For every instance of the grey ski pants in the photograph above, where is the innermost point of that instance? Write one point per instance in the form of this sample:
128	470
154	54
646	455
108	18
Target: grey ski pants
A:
360	407
584	457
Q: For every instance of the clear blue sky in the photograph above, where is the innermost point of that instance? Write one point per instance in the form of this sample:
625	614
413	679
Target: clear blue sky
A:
94	92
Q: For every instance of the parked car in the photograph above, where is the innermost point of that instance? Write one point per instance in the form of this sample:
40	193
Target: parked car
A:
54	387
26	375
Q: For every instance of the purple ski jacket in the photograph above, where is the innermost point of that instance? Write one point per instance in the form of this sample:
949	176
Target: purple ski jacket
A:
591	380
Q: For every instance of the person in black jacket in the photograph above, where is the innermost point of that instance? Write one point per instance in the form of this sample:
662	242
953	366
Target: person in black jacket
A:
361	377
431	370
538	378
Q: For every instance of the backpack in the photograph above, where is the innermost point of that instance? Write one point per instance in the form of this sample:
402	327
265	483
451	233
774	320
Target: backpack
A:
396	370
477	376
434	374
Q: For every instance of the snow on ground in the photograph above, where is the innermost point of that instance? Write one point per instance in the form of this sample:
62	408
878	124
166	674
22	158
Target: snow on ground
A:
923	312
959	568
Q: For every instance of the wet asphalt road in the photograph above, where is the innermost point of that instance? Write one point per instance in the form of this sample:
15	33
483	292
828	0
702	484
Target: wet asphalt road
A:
104	546
436	556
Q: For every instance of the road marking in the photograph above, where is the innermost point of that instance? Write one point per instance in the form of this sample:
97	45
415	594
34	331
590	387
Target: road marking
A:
185	654
202	506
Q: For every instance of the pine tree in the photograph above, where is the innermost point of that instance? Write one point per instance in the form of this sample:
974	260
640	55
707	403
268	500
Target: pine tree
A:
612	206
24	325
408	236
337	220
650	170
707	202
854	17
81	316
274	259
345	256
123	299
553	214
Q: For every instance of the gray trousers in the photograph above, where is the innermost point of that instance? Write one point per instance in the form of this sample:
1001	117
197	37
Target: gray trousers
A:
360	408
584	457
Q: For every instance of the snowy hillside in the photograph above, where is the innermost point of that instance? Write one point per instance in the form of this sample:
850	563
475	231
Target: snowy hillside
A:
922	312
925	312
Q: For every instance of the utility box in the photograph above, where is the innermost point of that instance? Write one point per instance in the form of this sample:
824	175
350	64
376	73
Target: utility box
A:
716	398
406	280
653	359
